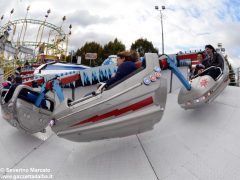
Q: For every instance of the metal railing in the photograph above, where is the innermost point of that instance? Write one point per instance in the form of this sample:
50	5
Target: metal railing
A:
238	76
8	67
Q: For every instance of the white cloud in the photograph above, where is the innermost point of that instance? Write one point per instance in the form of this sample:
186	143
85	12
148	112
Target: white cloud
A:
187	23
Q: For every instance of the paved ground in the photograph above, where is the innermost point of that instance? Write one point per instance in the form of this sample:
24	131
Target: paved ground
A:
185	145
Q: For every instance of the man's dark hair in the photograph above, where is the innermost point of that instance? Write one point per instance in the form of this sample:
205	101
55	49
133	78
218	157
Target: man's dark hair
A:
9	78
210	47
18	79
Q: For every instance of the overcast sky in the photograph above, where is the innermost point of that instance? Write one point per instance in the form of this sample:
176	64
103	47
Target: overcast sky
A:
188	24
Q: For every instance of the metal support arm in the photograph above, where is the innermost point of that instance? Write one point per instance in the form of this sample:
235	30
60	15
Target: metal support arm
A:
44	89
176	71
57	88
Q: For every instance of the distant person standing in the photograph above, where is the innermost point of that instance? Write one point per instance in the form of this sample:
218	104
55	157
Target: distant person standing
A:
18	71
26	63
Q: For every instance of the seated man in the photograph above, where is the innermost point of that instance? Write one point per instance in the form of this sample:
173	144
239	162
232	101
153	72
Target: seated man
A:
214	59
126	65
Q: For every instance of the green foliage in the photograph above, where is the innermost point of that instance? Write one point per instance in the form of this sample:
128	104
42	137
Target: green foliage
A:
68	58
143	46
91	47
63	57
113	48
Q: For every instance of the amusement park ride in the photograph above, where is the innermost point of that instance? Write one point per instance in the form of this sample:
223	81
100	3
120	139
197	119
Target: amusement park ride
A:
18	44
131	106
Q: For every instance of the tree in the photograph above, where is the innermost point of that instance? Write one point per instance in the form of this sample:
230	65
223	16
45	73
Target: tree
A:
143	46
91	47
68	58
113	48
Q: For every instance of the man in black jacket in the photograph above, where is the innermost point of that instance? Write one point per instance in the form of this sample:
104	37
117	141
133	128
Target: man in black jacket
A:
215	60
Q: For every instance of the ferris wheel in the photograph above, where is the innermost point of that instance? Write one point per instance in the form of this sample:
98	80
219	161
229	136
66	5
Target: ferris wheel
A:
28	38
